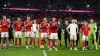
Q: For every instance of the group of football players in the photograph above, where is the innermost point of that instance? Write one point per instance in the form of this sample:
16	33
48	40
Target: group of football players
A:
46	31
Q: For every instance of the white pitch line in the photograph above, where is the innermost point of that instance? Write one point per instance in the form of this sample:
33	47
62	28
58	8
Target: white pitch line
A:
74	51
44	53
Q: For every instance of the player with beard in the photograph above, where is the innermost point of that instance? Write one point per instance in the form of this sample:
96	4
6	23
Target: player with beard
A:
18	31
4	32
28	25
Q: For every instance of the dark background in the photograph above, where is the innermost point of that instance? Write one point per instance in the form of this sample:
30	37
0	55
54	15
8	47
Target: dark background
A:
52	4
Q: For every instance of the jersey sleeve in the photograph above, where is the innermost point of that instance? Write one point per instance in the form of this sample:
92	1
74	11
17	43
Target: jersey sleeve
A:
95	30
81	28
0	23
68	26
76	26
41	25
89	28
24	23
8	24
89	25
38	26
50	26
31	23
32	27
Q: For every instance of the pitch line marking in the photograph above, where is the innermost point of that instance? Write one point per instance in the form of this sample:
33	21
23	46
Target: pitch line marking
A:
74	51
44	53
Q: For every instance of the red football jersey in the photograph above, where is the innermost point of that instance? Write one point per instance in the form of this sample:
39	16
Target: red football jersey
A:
85	30
53	27
18	25
29	25
44	27
4	25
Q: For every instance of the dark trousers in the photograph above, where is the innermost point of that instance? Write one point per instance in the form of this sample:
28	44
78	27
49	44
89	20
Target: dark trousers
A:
78	39
66	37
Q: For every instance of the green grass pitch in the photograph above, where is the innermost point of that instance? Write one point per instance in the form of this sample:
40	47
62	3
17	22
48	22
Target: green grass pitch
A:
36	51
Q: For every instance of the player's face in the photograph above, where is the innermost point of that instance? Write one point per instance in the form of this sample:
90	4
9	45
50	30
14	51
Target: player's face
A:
8	20
54	19
18	19
4	17
91	21
28	18
85	23
45	20
59	22
34	21
73	21
66	22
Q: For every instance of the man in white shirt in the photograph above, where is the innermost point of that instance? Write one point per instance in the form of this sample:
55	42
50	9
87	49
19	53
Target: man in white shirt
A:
73	30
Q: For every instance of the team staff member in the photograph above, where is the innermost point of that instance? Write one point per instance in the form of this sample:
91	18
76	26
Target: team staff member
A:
99	34
11	38
59	31
66	35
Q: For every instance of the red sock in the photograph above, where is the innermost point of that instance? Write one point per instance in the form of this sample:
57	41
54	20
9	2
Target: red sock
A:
26	42
74	46
41	42
48	42
53	43
83	44
30	42
51	46
70	45
44	41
